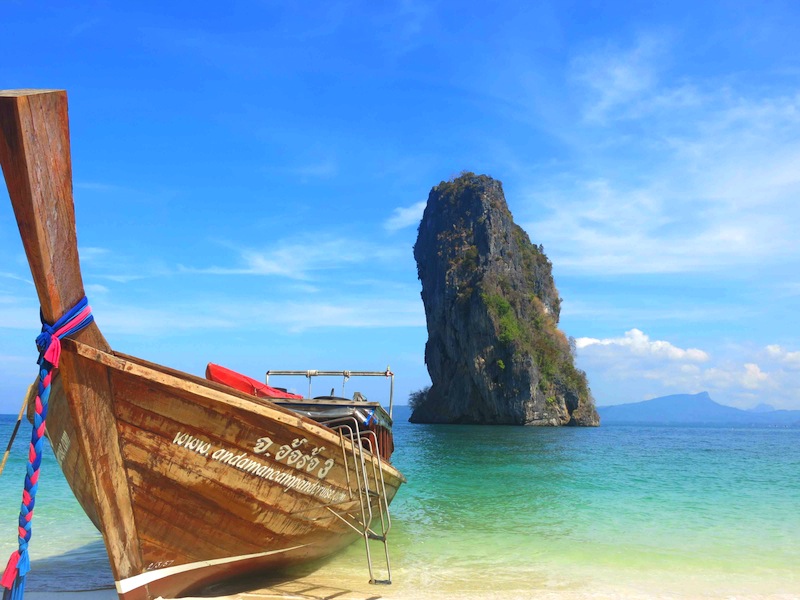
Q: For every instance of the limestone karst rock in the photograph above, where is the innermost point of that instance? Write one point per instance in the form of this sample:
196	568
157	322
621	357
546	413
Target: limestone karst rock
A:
494	352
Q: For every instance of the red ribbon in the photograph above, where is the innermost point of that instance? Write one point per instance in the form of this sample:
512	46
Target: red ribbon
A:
10	574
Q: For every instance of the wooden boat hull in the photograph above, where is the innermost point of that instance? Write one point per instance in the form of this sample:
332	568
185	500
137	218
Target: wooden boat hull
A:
209	470
189	481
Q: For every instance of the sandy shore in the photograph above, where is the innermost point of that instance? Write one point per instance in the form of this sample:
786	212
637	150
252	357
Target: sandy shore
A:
93	595
286	591
312	588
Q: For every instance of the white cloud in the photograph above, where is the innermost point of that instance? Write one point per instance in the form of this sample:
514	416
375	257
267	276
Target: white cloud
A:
92	253
290	315
605	227
753	377
19	314
633	367
735	378
668	309
785	357
403	217
323	169
102	263
15	277
618	78
637	342
95	289
402	25
367	313
300	259
120	278
671	175
135	320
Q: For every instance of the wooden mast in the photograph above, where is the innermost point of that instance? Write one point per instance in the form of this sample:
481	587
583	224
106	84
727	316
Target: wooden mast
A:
35	156
36	162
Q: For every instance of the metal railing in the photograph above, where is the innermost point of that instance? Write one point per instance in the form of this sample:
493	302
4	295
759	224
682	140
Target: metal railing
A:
344	374
347	427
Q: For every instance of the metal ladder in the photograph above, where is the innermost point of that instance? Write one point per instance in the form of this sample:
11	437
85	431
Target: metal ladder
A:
365	482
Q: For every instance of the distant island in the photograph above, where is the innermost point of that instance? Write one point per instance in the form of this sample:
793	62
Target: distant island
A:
695	409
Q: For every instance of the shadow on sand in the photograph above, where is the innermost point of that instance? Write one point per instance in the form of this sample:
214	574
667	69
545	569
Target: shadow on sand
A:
297	583
86	569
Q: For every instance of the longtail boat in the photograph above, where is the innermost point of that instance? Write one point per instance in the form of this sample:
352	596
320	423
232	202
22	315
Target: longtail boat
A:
190	481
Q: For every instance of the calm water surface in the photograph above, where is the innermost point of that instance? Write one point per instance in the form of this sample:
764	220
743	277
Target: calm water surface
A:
617	511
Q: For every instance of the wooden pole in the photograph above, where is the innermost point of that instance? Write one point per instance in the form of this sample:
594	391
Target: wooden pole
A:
16	428
36	162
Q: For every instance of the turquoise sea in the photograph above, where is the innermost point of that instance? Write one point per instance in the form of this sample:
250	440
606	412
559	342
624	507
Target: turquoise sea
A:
504	512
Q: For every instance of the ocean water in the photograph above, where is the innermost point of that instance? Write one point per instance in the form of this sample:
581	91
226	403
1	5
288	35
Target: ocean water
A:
504	512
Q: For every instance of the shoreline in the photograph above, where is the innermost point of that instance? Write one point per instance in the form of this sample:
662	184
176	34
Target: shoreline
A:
341	580
305	590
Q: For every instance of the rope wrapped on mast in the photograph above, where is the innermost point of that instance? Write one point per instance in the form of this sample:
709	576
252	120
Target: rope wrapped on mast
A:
49	344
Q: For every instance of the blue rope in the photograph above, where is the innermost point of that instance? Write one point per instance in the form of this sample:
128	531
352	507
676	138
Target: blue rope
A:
44	339
49	345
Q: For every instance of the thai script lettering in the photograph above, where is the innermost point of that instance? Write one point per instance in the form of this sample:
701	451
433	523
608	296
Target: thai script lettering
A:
290	454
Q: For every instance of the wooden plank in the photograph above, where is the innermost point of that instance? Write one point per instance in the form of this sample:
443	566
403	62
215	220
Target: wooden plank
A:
150	415
201	388
61	432
89	397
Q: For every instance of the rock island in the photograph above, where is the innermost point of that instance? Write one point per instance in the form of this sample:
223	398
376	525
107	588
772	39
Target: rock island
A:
494	352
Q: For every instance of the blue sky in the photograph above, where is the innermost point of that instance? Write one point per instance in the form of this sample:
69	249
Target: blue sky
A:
249	177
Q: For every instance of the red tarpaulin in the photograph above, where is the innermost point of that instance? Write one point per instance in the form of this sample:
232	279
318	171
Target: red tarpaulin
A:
244	383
